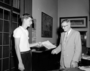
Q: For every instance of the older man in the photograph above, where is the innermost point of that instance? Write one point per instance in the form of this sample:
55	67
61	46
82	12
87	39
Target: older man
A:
70	46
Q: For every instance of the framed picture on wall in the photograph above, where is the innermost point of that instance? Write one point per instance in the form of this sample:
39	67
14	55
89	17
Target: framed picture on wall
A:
46	25
76	22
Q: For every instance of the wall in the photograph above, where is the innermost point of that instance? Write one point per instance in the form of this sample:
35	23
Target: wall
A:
89	22
71	8
26	7
22	7
49	7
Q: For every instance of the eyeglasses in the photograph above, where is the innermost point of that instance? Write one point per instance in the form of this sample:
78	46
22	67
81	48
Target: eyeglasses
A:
64	26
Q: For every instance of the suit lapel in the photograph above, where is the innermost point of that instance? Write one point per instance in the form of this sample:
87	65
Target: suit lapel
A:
69	35
63	36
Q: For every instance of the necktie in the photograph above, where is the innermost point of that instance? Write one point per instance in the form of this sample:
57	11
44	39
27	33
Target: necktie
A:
65	38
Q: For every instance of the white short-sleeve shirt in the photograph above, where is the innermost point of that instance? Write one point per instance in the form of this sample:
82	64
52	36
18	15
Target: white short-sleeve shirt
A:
22	33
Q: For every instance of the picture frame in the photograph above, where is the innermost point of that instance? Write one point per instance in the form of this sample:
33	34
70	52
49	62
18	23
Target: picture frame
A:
76	22
46	25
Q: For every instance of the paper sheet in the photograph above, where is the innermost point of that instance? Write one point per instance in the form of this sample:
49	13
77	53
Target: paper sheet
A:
48	44
86	68
87	57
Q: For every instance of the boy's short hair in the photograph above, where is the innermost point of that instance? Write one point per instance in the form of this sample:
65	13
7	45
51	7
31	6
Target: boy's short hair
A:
26	16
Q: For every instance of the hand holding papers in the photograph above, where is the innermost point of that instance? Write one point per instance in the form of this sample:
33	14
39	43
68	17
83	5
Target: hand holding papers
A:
38	44
54	52
57	50
48	44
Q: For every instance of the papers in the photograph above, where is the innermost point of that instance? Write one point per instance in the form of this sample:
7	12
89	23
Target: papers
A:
48	44
85	57
86	68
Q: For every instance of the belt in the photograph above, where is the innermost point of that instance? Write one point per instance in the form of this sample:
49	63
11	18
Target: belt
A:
25	52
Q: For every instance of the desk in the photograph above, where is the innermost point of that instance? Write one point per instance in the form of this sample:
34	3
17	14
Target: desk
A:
85	61
44	60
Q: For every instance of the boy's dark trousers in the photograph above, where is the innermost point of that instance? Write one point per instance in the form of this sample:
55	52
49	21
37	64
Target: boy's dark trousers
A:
27	60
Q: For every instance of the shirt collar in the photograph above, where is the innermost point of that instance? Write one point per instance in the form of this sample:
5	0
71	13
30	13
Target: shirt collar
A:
68	32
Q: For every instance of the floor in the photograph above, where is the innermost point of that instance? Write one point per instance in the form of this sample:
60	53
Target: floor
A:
46	70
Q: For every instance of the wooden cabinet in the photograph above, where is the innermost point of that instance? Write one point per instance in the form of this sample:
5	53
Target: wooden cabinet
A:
44	60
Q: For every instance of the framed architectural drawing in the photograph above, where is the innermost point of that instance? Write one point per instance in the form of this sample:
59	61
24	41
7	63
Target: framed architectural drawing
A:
76	22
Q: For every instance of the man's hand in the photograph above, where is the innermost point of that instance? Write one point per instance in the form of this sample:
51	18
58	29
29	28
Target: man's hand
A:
39	44
74	64
21	66
54	51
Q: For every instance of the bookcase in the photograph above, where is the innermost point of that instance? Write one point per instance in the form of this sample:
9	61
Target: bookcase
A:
9	16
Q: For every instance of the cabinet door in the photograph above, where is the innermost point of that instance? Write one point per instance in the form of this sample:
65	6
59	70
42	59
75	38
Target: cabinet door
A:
4	39
7	60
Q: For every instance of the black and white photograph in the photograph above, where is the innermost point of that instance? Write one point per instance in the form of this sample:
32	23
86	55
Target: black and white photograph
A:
44	35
